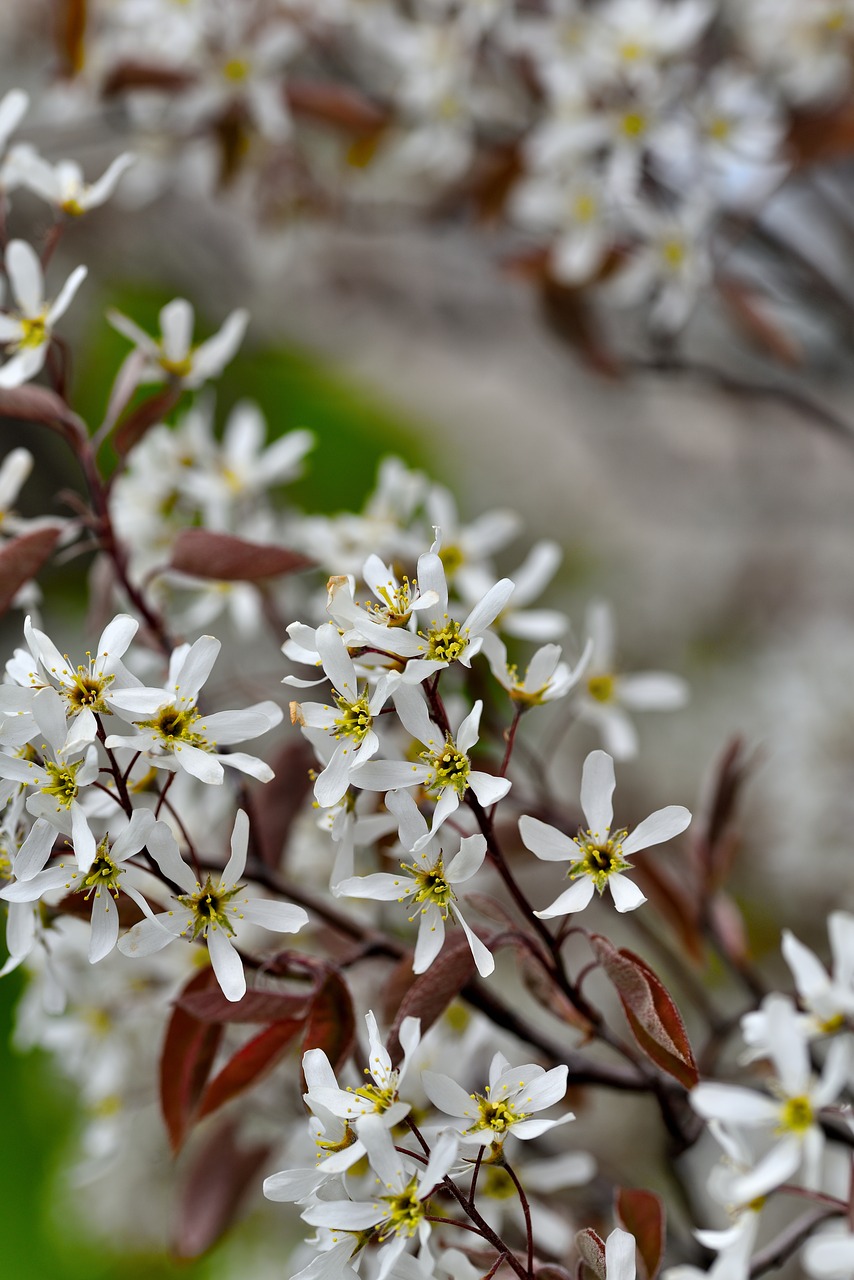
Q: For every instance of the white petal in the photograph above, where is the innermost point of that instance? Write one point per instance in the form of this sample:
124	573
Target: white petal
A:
488	788
199	764
337	662
470	728
410	820
25	276
387	775
447	1095
483	957
66	295
662	825
484	613
164	851
597	788
431	935
620	1255
226	964
105	926
196	668
281	917
772	1171
147	937
35	851
546	842
627	896
733	1104
830	1258
468	861
176	327
211	357
236	864
248	764
545	1090
225	727
651	691
575	898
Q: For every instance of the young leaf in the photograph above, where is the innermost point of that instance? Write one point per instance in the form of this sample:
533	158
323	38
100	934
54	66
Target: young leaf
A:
642	1215
185	1063
256	1006
39	404
652	1015
432	992
146	415
217	1182
250	1064
225	558
21	558
591	1246
331	1025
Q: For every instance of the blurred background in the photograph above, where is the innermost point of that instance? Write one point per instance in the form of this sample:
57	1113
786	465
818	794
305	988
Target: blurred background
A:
694	461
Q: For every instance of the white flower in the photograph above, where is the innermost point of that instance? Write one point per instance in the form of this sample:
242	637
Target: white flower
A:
213	911
174	355
598	856
62	184
829	1257
85	689
174	734
400	1212
349	722
101	882
512	1096
61	777
793	1116
427	882
828	999
670	263
28	330
546	678
607	695
445	772
380	1098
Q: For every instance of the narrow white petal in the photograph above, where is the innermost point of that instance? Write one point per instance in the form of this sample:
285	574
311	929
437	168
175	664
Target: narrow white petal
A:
226	964
25	276
597	789
281	917
488	788
546	842
662	825
66	295
236	864
627	896
620	1255
572	899
105	926
447	1095
431	936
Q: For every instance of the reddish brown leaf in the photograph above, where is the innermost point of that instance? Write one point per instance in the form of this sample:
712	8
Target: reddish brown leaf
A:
217	1182
432	992
71	34
153	410
568	315
39	404
642	1214
335	104
225	558
250	1064
256	1006
652	1015
551	1271
277	804
185	1063
713	843
331	1025
591	1246
142	75
752	313
21	558
823	135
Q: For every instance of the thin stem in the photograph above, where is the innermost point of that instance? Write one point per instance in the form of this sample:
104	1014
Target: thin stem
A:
526	1209
475	1172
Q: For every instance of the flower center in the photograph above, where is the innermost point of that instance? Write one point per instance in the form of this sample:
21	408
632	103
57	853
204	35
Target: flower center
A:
396	602
797	1115
446	644
497	1116
450	769
674	253
633	124
173	724
177	368
86	689
355	719
33	331
432	885
63	784
452	557
209	907
103	874
601	688
347	1140
405	1212
599	858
